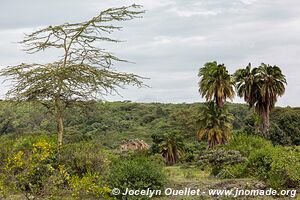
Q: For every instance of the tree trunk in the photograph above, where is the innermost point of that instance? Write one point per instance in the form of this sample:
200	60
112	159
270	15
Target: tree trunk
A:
59	122
267	125
265	121
60	129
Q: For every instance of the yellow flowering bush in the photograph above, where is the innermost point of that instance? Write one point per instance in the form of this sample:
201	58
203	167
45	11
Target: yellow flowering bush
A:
35	169
89	185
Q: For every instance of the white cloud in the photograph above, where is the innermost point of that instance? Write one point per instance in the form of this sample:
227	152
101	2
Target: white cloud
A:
190	13
249	2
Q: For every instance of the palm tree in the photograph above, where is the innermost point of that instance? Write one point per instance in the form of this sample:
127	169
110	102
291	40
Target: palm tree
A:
260	88
171	147
215	124
271	83
215	83
246	84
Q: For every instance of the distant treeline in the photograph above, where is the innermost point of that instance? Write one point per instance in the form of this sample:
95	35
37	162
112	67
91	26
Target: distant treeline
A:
112	122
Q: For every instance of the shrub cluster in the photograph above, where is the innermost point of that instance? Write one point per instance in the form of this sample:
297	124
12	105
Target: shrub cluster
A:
136	172
266	162
218	159
31	166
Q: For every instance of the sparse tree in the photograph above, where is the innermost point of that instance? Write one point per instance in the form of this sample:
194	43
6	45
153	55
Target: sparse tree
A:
84	71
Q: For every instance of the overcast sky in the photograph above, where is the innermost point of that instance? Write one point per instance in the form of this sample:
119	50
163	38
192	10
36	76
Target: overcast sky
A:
173	39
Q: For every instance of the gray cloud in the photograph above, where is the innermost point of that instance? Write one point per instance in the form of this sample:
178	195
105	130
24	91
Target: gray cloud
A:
174	39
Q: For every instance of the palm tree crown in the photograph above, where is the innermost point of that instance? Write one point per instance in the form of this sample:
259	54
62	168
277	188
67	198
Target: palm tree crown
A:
215	124
246	85
261	88
215	83
172	147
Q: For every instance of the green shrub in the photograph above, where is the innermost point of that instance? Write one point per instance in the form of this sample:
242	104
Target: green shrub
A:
245	144
31	167
218	159
285	170
84	157
277	166
259	162
234	171
6	146
27	170
89	186
136	172
285	129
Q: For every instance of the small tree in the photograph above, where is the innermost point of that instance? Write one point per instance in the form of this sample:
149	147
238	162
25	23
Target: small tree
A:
83	71
215	124
170	145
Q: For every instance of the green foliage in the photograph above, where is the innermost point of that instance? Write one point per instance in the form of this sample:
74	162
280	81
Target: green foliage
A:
259	163
215	124
247	143
31	166
170	145
99	121
89	185
278	171
218	159
82	158
27	170
260	87
215	83
136	172
276	165
285	129
192	150
22	118
234	171
285	169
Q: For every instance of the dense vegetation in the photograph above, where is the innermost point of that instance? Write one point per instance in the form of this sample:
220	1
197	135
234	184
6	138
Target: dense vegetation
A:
88	166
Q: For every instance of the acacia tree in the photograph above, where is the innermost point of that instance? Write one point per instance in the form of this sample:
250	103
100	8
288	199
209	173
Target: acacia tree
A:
84	71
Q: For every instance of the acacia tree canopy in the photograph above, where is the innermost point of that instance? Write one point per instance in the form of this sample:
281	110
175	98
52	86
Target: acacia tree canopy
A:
82	72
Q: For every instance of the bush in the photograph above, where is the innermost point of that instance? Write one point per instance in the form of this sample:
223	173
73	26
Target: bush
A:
285	129
218	159
27	170
285	171
29	166
276	165
89	186
84	157
278	136
259	162
245	144
192	150
278	171
234	171
136	172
